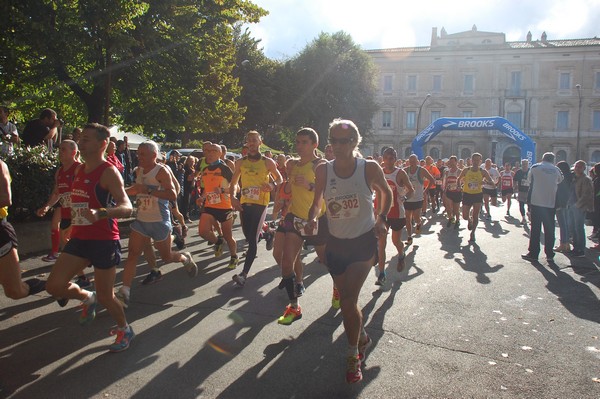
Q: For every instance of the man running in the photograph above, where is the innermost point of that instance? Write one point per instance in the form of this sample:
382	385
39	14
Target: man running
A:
153	188
452	192
417	175
301	177
255	171
401	188
347	184
216	178
472	179
506	184
98	198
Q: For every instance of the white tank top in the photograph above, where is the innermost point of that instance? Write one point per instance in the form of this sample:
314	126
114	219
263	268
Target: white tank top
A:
397	209
149	207
349	202
417	183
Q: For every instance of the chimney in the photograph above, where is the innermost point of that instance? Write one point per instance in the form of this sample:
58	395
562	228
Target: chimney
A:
529	37
433	36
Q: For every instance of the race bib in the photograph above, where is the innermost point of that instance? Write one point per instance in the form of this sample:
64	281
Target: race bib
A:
251	193
213	198
147	203
65	200
438	182
343	206
452	186
299	226
525	182
473	186
77	218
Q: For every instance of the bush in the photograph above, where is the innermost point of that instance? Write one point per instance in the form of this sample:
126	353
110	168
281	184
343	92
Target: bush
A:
32	172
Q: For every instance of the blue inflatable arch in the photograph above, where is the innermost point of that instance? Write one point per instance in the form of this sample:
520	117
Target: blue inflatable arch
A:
489	123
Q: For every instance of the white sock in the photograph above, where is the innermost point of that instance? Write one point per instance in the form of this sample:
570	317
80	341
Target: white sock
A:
91	297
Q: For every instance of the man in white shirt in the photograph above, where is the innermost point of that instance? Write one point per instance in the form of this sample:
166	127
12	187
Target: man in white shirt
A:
489	189
543	183
8	133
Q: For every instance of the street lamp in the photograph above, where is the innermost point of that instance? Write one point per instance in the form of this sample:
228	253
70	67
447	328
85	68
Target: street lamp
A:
578	86
419	113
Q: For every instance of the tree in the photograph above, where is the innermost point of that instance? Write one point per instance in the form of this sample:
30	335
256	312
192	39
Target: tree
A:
166	61
332	77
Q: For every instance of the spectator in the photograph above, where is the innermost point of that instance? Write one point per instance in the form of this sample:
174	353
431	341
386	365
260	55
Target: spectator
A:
130	162
42	130
596	214
562	213
581	201
111	158
9	133
120	154
544	178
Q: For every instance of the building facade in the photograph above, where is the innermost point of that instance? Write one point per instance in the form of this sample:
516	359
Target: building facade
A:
549	89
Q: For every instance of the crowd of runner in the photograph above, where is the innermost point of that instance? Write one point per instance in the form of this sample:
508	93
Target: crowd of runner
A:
342	204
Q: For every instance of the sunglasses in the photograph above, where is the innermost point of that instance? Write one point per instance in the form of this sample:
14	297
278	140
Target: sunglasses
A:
341	140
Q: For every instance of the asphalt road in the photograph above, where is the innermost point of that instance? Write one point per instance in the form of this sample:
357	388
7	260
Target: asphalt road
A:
463	321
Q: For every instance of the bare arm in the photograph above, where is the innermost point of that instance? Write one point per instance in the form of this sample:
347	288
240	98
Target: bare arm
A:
112	181
403	180
320	180
233	186
427	176
54	196
5	192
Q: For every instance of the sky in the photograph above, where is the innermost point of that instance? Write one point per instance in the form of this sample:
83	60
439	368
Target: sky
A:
373	24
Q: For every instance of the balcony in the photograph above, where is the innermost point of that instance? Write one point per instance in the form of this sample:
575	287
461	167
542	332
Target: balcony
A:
515	93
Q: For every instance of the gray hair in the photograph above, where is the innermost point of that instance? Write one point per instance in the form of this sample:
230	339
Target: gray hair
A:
151	145
347	124
548	157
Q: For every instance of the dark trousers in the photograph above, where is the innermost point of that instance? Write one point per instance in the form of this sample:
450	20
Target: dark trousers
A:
253	217
542	216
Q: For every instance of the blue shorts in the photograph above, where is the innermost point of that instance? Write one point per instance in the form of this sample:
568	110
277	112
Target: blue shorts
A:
102	254
158	231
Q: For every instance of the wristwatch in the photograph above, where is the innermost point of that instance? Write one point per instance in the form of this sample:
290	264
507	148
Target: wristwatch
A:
150	189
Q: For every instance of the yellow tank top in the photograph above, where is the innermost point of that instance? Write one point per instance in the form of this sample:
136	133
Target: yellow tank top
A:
473	182
254	175
302	198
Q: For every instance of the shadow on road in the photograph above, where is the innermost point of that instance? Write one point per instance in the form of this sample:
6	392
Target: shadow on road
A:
475	261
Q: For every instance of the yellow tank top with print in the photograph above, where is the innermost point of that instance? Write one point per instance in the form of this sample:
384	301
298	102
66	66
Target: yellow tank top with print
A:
473	182
302	198
253	175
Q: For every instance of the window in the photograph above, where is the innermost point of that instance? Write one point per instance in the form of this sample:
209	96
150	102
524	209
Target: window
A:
437	83
595	157
412	83
434	153
387	84
562	120
561	155
386	119
465	153
411	117
514	118
468	84
467	114
565	81
596	120
515	83
435	115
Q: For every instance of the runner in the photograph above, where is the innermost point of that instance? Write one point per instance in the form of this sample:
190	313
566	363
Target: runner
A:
430	186
489	187
98	198
417	175
347	184
10	271
398	181
452	192
522	182
506	181
153	188
472	179
217	205
301	174
254	170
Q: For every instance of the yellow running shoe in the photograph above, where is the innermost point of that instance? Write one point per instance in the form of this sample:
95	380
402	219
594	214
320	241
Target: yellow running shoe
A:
290	315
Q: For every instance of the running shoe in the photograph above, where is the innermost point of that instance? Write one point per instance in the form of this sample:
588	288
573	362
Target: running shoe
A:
239	279
523	221
190	266
299	289
409	241
418	228
179	242
401	263
449	223
35	285
51	257
270	236
124	338
335	299
62	302
529	257
219	249
233	262
472	237
88	312
290	315
488	217
380	279
184	231
83	282
457	224
470	224
121	297
362	348
153	277
353	372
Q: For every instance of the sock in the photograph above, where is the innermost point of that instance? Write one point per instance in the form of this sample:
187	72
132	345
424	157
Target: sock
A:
125	290
288	284
126	328
294	303
91	297
219	241
352	351
55	239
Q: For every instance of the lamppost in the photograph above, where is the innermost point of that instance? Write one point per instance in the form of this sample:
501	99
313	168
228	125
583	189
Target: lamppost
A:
420	108
578	86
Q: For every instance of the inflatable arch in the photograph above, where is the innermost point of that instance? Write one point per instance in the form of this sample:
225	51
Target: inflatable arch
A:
489	123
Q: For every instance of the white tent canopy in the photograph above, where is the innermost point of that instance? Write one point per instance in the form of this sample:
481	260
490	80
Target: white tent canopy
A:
134	139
